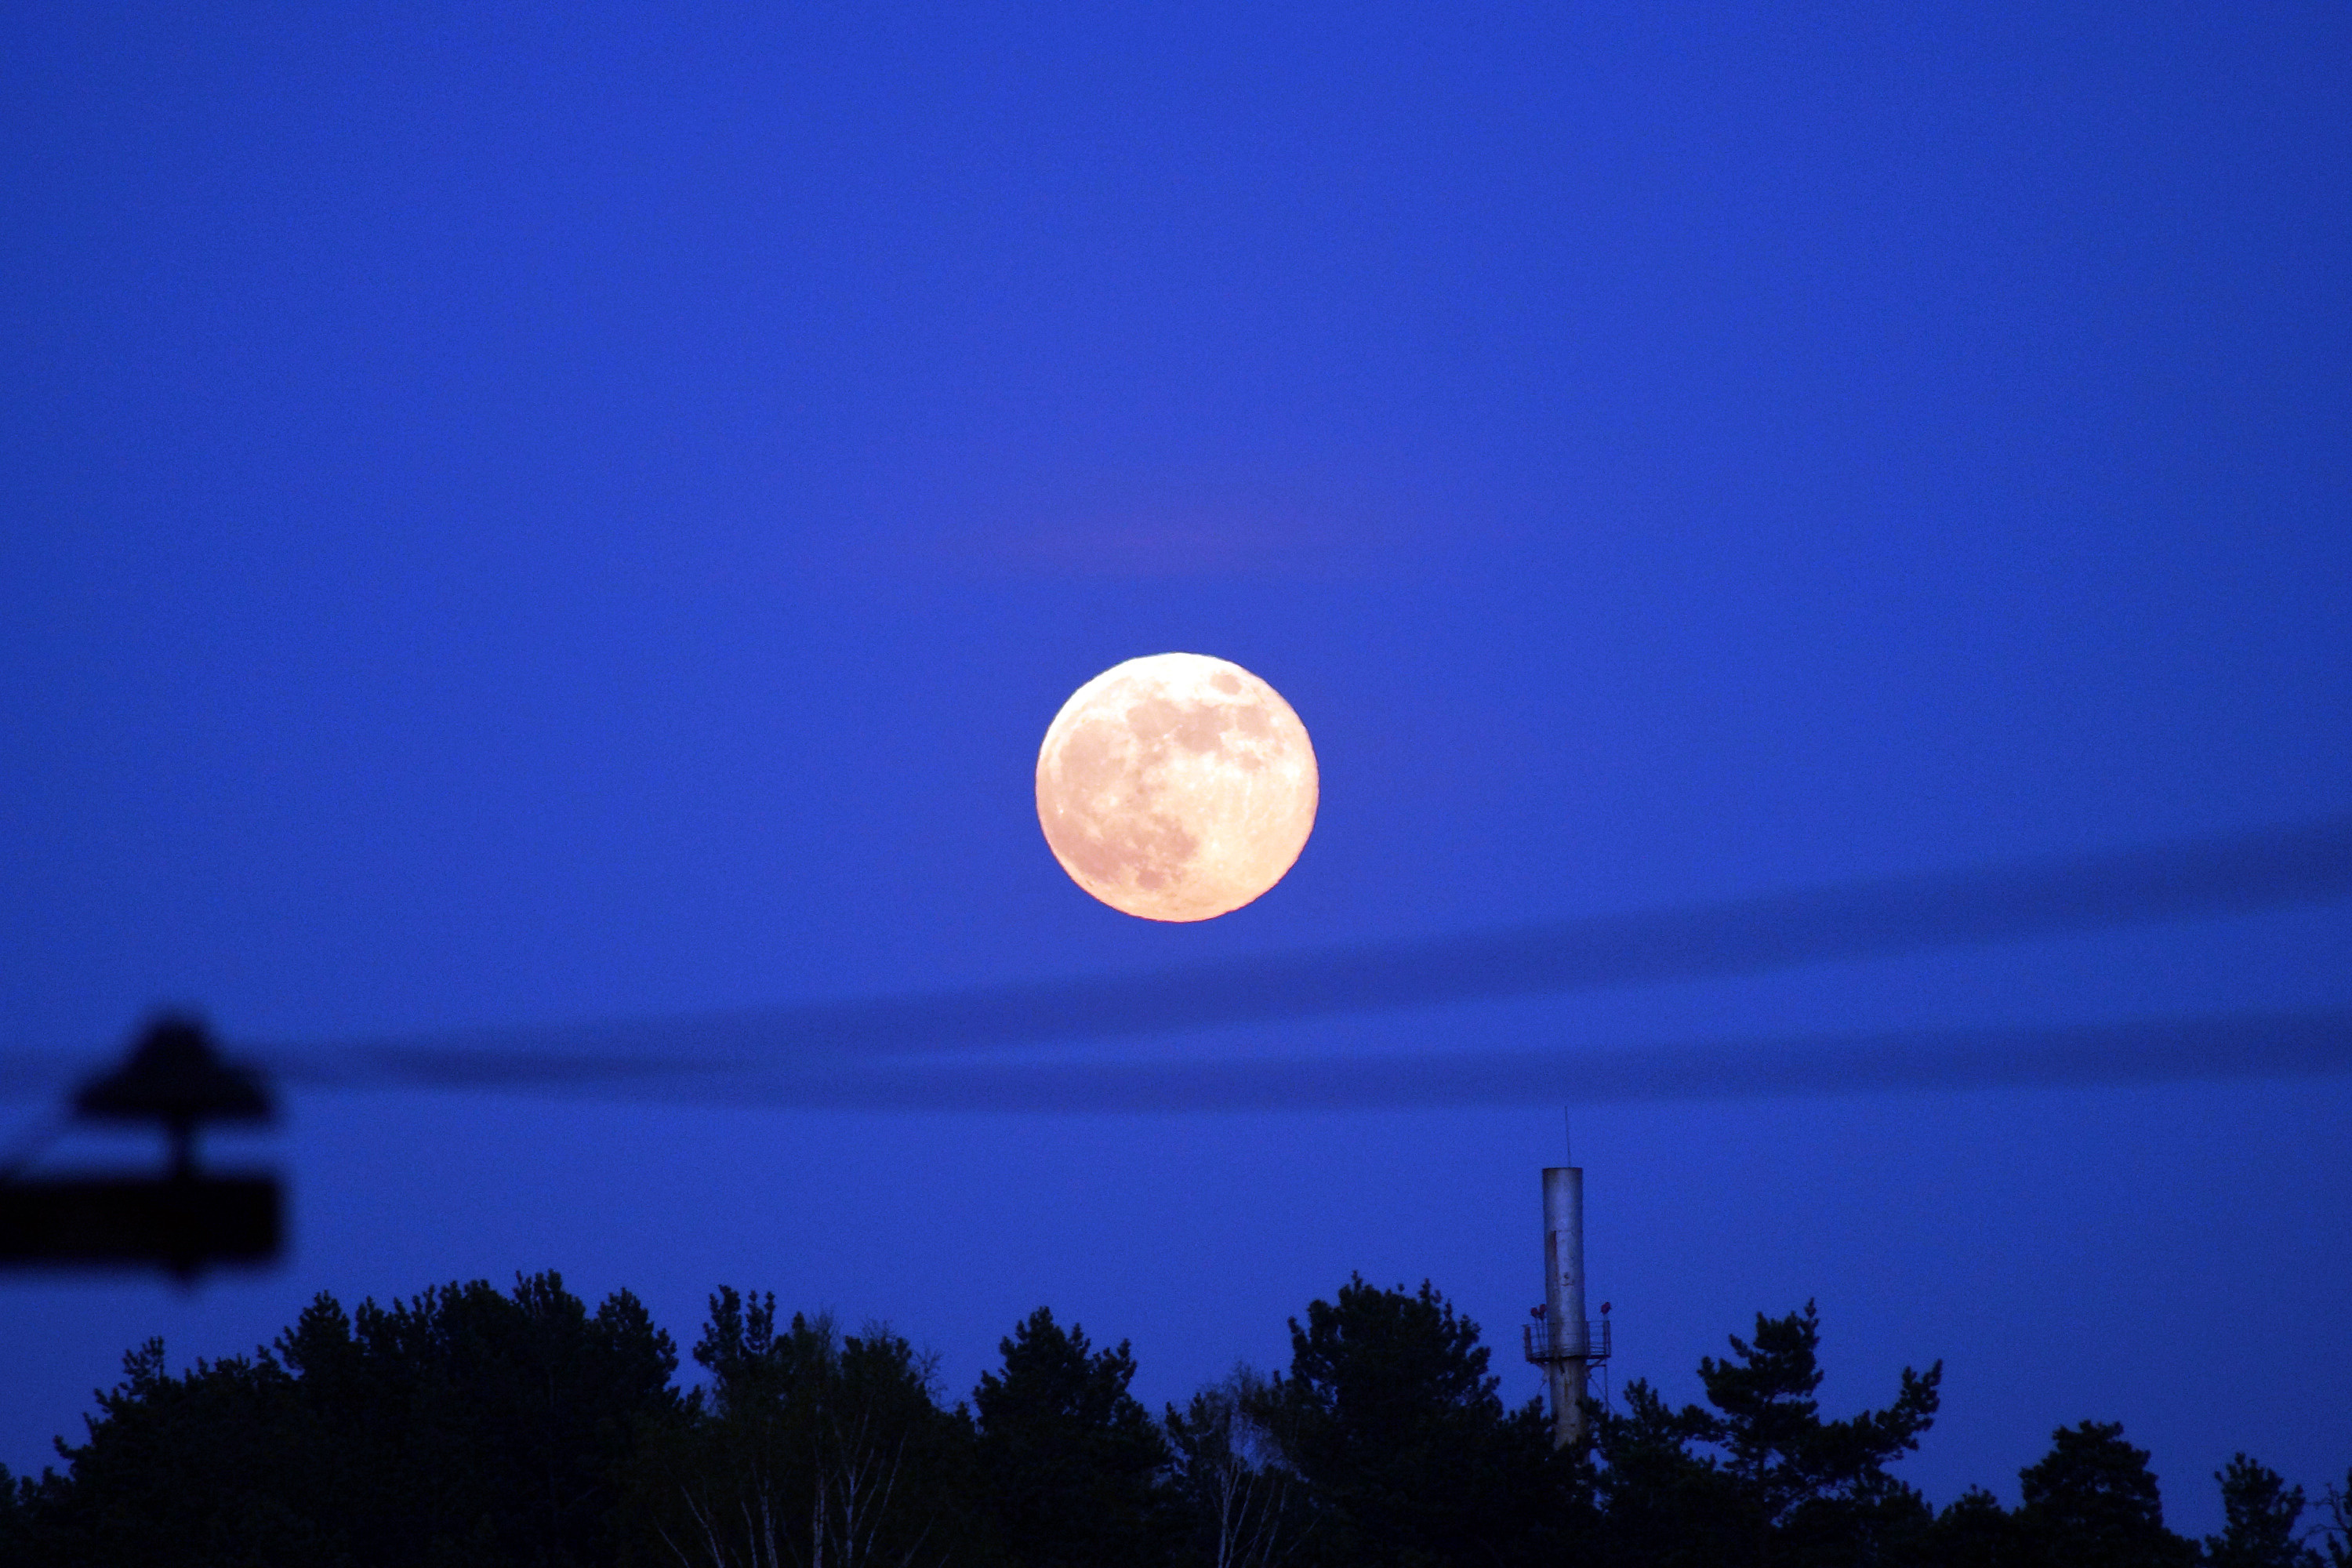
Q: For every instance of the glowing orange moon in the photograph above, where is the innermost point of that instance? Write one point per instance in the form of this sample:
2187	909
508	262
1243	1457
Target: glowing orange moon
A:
1176	787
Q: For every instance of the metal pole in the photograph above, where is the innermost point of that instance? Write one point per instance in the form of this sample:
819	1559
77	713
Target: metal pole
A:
1563	1200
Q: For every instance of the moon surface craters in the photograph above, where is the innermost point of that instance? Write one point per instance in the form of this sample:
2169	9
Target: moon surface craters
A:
1176	787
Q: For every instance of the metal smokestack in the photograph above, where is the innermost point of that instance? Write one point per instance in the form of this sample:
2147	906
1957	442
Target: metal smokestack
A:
1570	1347
1560	1339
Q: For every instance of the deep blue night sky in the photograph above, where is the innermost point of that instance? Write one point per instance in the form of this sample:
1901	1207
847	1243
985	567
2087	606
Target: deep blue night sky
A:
513	518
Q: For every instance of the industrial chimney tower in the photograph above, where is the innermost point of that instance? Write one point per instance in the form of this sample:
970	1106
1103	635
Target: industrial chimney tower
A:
1560	1339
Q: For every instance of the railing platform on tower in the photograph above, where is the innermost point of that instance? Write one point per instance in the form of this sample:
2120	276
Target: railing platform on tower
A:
1544	1347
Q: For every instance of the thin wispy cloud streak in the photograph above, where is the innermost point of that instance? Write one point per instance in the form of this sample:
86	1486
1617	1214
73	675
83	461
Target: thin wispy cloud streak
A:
2306	863
2158	1050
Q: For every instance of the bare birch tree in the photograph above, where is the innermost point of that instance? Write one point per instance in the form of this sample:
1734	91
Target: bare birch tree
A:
1230	1465
809	1423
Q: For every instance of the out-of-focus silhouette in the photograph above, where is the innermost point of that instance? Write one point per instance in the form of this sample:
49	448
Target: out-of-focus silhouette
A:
938	1051
182	1220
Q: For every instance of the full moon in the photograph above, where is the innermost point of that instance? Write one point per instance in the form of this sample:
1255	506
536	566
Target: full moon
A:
1177	787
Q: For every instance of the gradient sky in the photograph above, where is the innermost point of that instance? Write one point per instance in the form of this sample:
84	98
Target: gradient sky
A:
512	518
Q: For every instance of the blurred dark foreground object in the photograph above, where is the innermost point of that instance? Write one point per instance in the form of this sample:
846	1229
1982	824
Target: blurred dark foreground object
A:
181	1220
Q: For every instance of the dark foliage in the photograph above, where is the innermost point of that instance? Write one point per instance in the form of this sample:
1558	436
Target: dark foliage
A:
2337	1532
464	1427
1073	1466
470	1426
1663	1504
1769	1483
2262	1513
2092	1502
1400	1435
1975	1532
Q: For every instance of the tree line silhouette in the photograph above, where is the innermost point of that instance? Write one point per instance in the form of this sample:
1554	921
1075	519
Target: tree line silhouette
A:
468	1425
